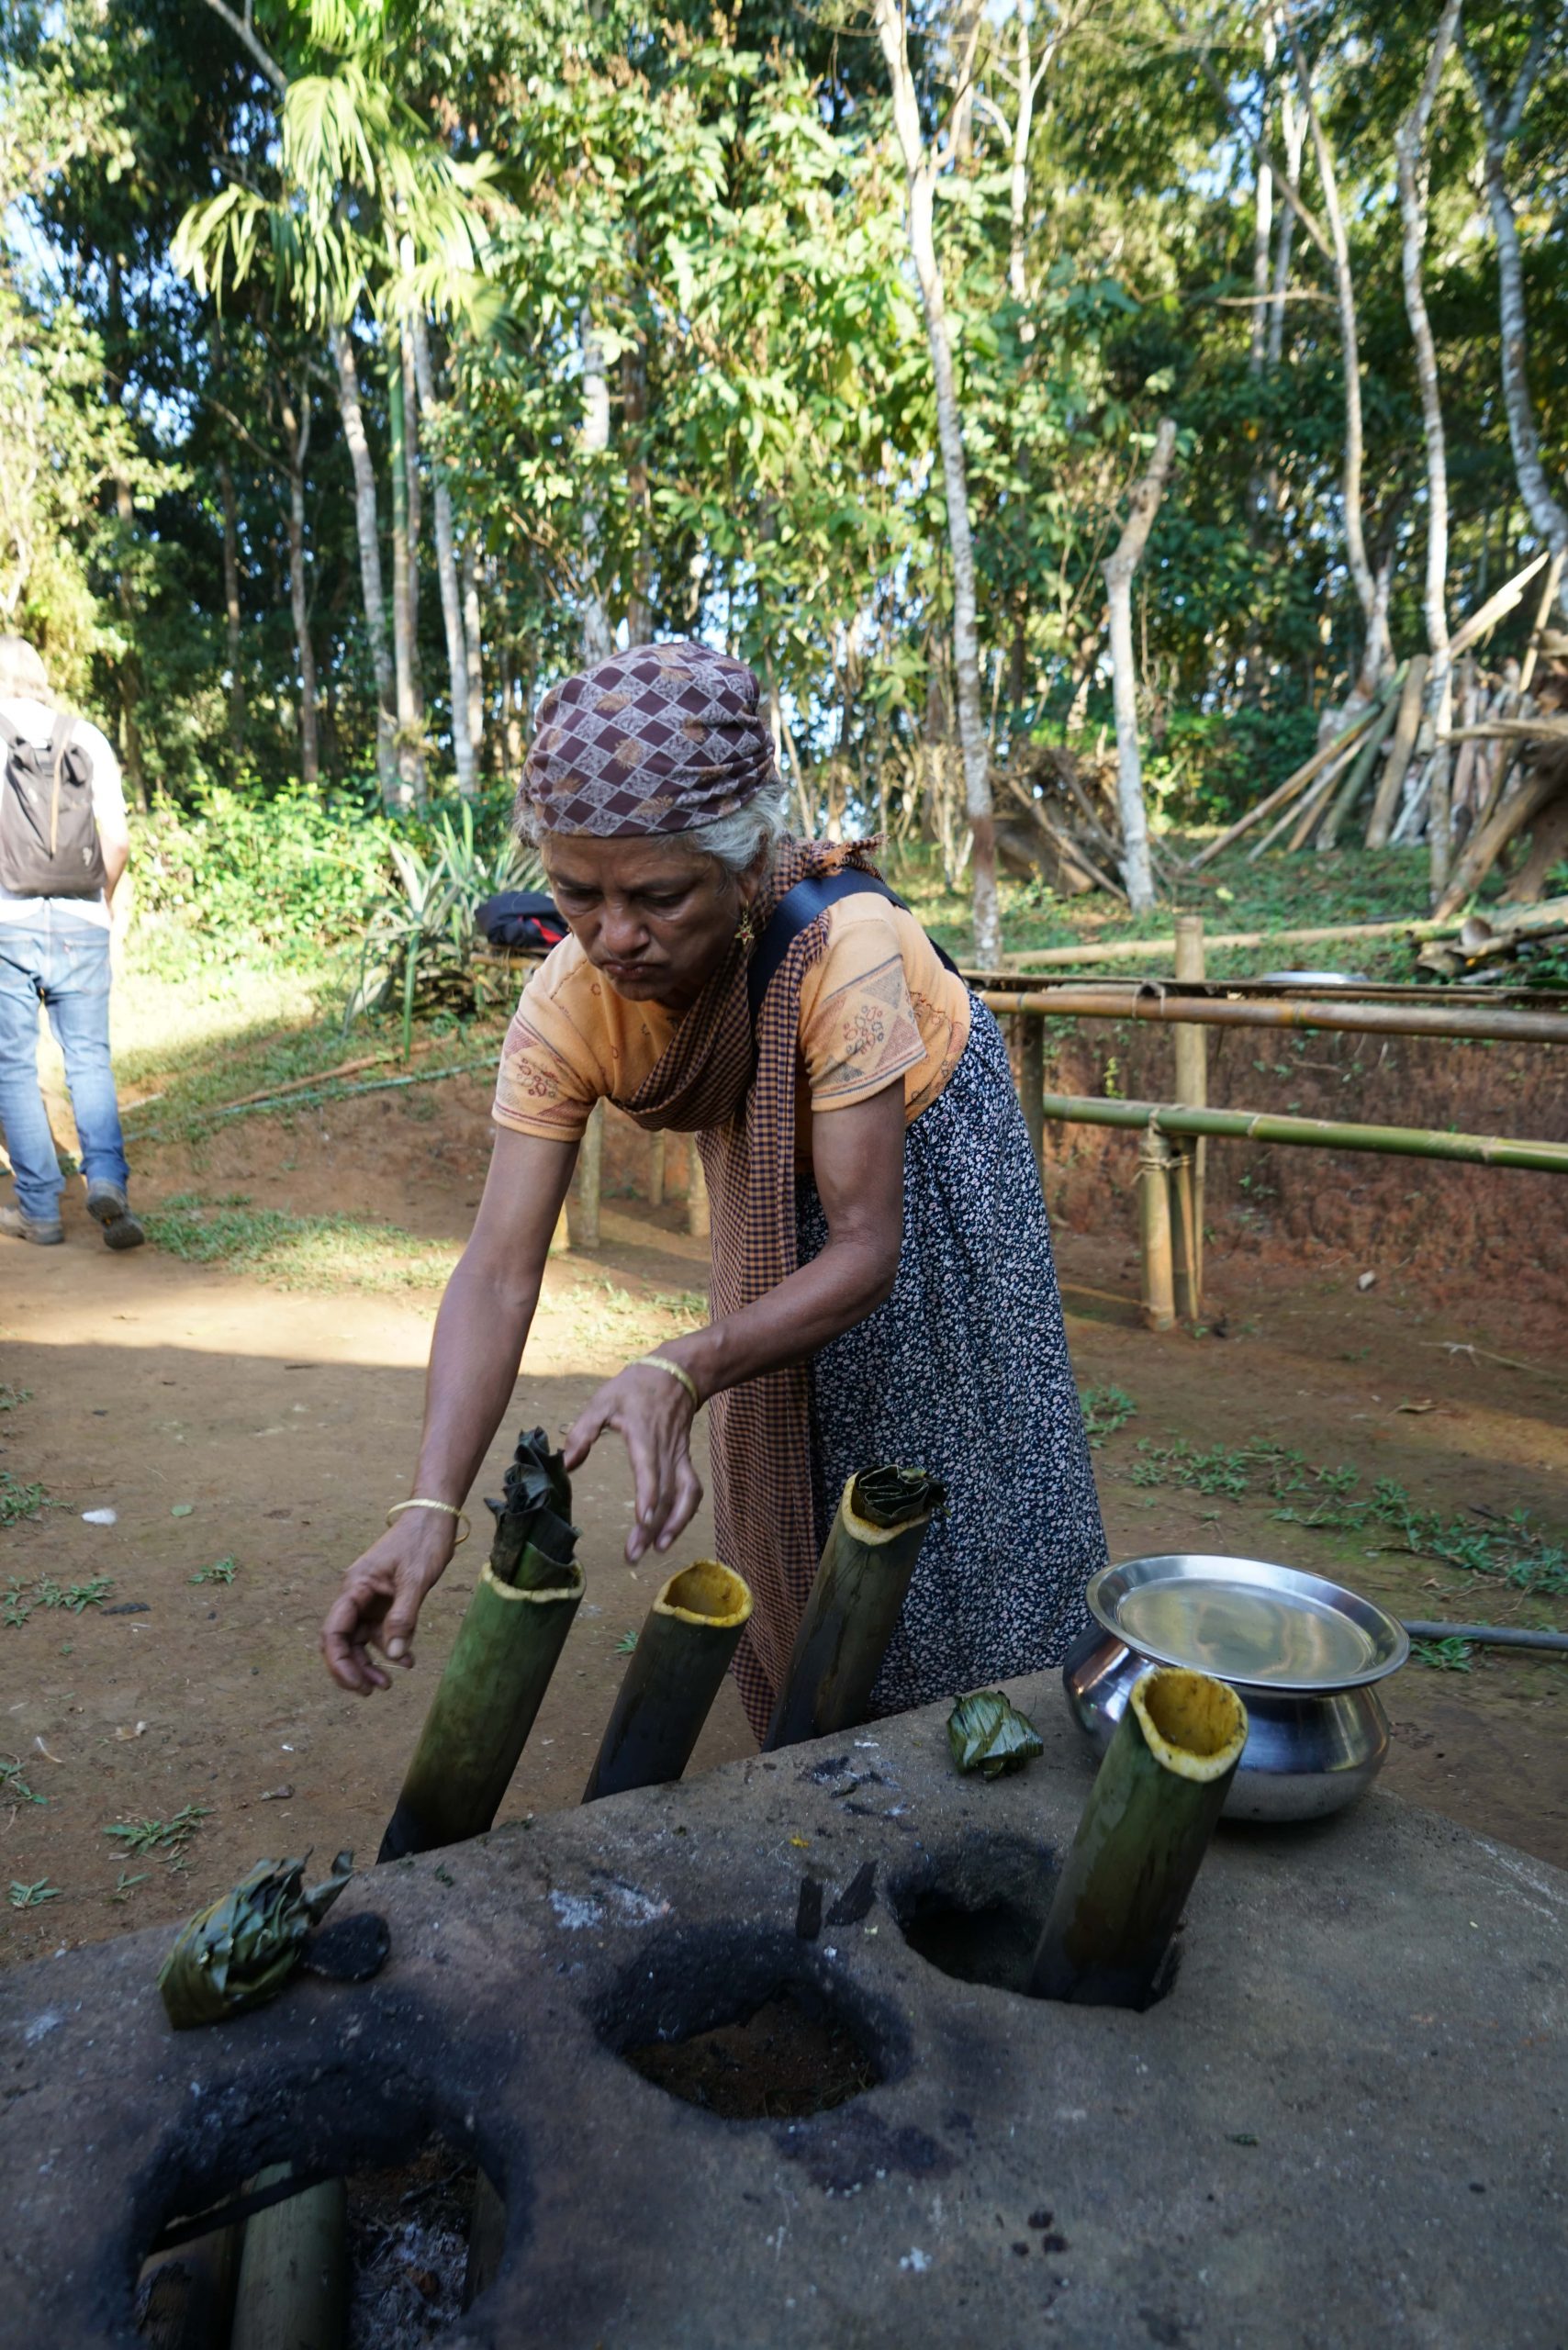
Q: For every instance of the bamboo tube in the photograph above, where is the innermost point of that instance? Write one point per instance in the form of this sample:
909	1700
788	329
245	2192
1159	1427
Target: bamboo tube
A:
507	1647
1407	724
1192	1056
1032	1080
855	1603
1322	1134
293	2272
1282	792
187	2295
682	1654
1158	1270
1348	1015
1361	767
1185	1257
1141	1841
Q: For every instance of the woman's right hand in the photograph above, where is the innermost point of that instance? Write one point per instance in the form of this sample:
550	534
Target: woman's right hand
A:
380	1601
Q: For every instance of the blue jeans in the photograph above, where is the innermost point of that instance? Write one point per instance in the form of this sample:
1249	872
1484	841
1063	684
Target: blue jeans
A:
63	964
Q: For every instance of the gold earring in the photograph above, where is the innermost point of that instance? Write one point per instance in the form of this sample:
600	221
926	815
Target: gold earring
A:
746	929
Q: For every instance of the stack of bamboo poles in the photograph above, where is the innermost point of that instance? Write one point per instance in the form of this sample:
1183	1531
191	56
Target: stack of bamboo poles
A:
1063	823
1511	766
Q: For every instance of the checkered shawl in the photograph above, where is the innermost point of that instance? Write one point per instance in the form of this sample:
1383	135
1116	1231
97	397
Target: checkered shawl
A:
653	741
742	1107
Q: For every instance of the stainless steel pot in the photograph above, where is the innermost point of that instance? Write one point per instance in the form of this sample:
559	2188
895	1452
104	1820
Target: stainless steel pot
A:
1302	1653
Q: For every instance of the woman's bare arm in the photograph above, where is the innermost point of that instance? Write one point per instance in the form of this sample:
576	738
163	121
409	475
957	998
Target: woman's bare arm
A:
479	1337
859	1164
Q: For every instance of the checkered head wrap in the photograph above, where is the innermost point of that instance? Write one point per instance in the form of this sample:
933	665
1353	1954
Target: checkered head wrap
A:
657	739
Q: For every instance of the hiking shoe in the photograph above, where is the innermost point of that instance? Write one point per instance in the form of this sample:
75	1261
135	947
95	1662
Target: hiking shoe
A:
108	1207
43	1231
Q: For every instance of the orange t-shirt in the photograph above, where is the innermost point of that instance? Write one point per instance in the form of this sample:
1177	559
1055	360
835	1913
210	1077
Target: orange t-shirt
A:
877	1004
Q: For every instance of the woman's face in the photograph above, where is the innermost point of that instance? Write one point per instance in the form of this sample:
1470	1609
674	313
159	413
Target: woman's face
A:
656	919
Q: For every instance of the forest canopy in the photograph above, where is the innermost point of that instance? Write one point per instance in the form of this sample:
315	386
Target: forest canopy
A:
364	366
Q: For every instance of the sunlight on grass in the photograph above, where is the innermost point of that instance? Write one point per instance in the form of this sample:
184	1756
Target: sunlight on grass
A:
303	1252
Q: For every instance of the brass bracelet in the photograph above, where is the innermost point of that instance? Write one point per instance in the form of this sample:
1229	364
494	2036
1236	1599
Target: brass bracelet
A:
663	1363
420	1500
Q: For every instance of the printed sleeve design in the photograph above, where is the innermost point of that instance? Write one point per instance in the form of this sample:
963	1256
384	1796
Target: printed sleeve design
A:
537	1091
861	1036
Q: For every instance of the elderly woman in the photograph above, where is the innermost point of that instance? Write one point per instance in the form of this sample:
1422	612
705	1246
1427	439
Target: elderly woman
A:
882	1281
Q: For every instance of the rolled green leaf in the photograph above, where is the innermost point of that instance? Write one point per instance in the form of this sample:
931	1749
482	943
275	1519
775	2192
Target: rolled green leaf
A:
240	1951
988	1735
507	1647
855	1603
683	1654
1141	1841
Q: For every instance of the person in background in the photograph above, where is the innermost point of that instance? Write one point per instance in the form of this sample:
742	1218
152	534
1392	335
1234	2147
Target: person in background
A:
54	949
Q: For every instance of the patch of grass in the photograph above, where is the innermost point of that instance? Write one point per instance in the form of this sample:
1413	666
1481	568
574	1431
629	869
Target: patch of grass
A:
1447	1655
606	1316
1105	1409
20	1500
303	1252
126	1882
74	1597
167	1838
32	1896
221	1570
1512	1548
13	1398
625	1644
14	1787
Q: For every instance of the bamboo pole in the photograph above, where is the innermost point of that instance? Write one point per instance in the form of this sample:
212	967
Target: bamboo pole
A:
1361	767
1186	1250
1157	1266
590	1175
1318	1134
682	1654
1127	950
855	1603
293	2272
1032	1081
1407	725
1284	792
1141	1840
1349	1018
1193	1078
1299	820
1495	608
507	1647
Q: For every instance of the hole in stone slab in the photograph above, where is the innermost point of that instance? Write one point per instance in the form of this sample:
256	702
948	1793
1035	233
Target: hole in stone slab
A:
386	2257
978	1913
749	2027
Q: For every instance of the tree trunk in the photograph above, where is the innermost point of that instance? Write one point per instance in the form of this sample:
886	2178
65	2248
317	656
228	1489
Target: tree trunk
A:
1410	141
1263	220
473	643
296	437
920	165
231	606
446	573
598	642
416	497
635	412
368	531
1293	124
411	718
1501	123
1142	507
1377	656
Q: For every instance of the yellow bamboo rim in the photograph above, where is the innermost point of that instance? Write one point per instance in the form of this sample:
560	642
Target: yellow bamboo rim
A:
706	1593
570	1589
1193	1726
861	1528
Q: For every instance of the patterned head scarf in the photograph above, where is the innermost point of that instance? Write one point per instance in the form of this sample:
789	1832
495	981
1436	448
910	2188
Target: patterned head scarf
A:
657	739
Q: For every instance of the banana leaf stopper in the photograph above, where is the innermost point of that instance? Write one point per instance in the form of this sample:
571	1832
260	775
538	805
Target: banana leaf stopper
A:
534	1535
991	1736
239	1951
894	1496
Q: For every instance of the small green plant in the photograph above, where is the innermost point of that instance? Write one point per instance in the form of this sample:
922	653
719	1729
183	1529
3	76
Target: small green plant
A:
74	1597
15	1607
14	1787
625	1644
1447	1655
32	1896
221	1570
12	1398
18	1500
125	1885
166	1837
1105	1409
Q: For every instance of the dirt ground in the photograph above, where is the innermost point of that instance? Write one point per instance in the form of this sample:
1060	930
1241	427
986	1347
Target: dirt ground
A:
225	1419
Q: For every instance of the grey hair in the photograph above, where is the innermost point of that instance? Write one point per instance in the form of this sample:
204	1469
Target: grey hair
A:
737	842
22	672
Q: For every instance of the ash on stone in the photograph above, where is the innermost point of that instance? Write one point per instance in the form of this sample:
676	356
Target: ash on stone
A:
779	2063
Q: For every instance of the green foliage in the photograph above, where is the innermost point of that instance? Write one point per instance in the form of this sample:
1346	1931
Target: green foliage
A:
1447	1655
14	1787
19	1499
294	867
321	1253
221	1570
1105	1409
419	939
32	1896
168	1839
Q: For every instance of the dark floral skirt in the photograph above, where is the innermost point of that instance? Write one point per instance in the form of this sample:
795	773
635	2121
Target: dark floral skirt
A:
964	1372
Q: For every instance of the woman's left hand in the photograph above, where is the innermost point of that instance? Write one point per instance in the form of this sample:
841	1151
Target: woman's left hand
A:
653	1413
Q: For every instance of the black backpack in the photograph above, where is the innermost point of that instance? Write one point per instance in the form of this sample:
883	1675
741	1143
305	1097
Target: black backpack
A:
522	918
48	838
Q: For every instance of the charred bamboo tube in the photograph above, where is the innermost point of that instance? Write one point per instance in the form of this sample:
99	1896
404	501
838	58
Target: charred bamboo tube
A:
682	1654
1320	1134
855	1603
293	2272
1141	1840
507	1647
186	2296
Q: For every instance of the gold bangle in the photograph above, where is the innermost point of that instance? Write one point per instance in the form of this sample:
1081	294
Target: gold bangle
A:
420	1502
663	1363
